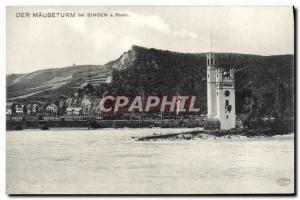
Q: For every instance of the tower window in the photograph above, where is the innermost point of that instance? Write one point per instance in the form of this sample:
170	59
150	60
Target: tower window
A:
217	93
227	102
207	75
227	116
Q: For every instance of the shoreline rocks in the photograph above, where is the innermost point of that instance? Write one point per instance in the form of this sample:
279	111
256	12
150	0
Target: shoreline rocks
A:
206	134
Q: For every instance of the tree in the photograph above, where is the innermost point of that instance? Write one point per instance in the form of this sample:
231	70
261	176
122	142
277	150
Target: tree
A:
251	108
280	102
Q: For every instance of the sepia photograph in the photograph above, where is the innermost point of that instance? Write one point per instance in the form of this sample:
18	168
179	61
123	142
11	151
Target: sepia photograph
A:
150	100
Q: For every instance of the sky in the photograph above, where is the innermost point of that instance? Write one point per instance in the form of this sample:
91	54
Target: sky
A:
36	43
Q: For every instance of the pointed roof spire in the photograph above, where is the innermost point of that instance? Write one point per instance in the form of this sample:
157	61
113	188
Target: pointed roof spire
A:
210	41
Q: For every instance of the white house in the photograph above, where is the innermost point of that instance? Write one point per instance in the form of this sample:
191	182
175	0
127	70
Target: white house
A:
20	108
52	108
32	108
10	107
86	105
74	111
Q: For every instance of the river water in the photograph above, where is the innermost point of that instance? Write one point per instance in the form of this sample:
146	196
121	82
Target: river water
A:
109	161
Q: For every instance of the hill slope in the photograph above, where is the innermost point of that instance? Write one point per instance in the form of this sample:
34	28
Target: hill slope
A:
152	71
36	83
163	72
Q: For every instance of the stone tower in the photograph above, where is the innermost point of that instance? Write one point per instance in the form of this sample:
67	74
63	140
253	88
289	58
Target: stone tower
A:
211	86
220	94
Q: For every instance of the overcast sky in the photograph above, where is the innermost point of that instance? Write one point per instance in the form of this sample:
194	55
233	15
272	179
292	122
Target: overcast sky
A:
41	43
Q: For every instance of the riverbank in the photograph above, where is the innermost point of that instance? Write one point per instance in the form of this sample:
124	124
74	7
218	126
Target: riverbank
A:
206	134
98	124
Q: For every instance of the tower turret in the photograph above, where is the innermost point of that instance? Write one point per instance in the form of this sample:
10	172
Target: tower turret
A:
211	85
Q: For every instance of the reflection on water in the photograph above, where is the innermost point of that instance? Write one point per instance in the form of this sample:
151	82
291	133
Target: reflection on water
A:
110	161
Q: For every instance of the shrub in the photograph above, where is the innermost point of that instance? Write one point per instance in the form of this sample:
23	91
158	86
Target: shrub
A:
212	124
